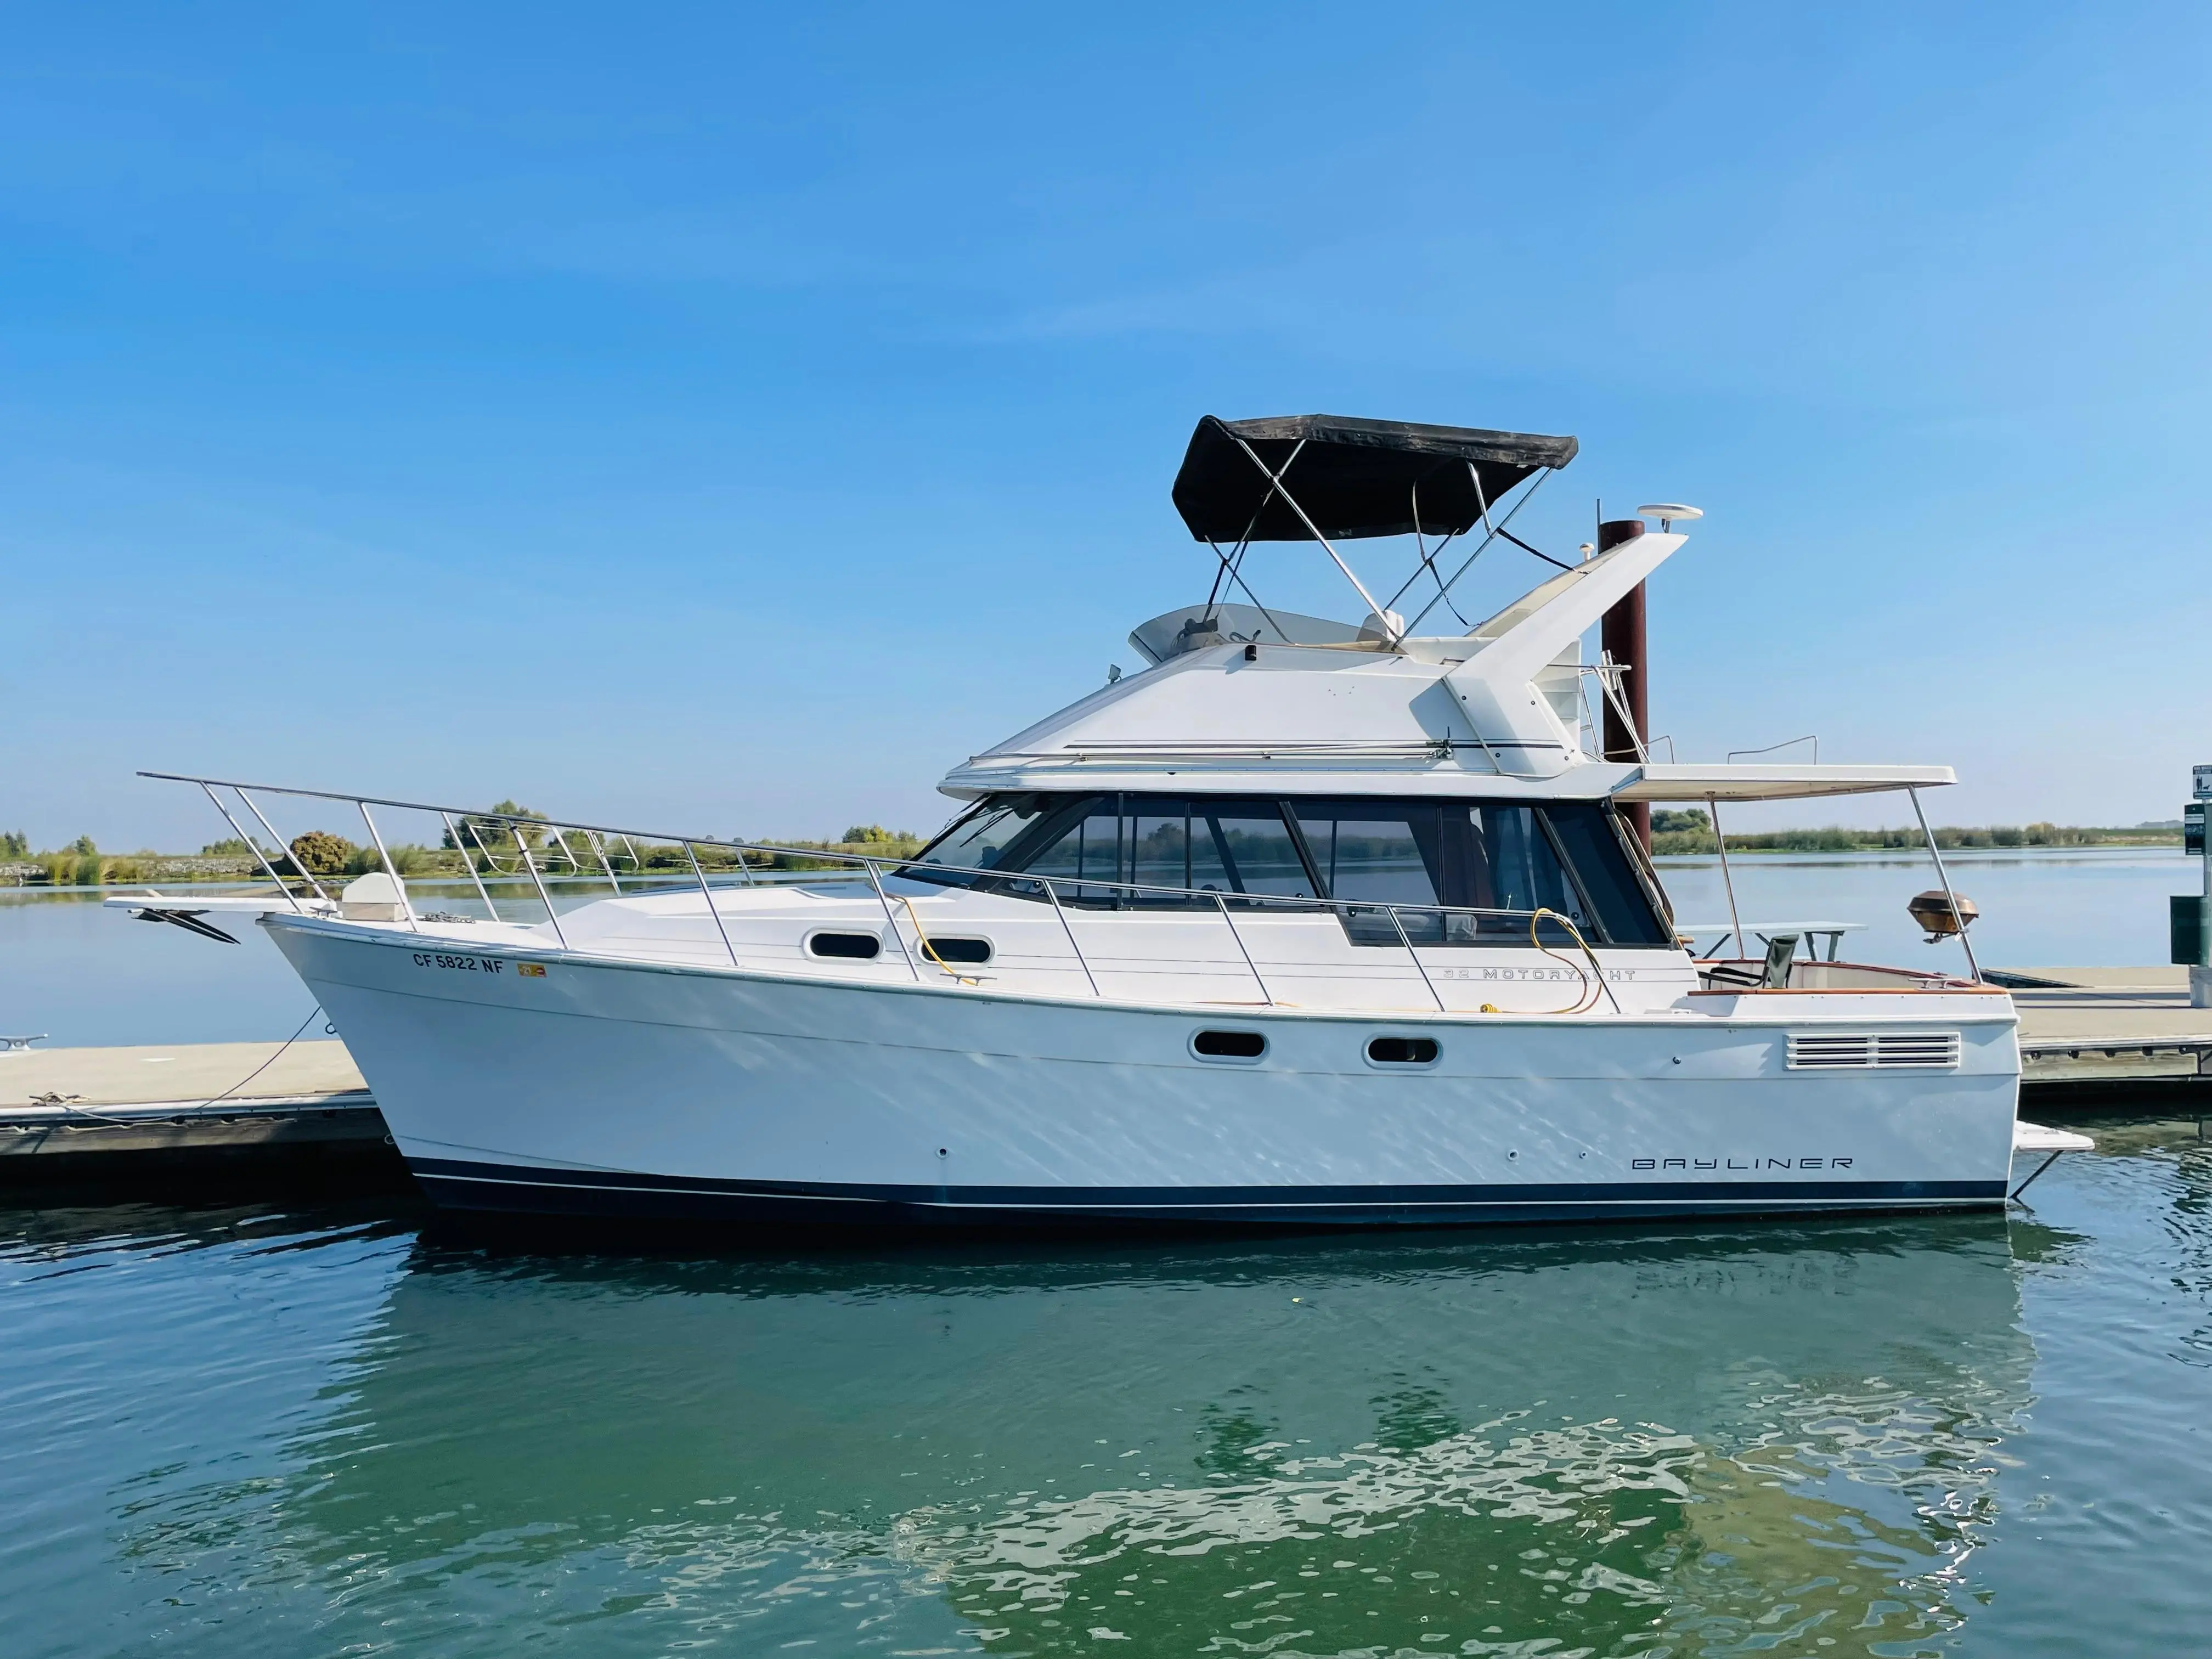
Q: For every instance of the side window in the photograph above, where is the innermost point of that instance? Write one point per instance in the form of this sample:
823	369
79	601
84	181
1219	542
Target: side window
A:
1515	867
1253	847
1382	850
1600	864
1085	846
1161	850
1373	849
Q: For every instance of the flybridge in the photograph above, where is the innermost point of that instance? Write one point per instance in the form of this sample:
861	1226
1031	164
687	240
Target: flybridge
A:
1241	693
1327	478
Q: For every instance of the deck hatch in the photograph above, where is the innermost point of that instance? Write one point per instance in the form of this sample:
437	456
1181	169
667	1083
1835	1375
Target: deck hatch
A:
1830	1051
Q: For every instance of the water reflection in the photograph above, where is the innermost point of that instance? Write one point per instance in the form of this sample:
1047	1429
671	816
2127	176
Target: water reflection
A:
1666	1444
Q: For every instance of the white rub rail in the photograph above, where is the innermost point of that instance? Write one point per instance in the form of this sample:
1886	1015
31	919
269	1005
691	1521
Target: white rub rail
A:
598	837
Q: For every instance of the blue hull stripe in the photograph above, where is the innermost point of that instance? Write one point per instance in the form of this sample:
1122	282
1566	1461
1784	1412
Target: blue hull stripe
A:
520	1189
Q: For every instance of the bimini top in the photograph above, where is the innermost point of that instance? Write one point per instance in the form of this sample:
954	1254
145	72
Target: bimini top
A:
1349	478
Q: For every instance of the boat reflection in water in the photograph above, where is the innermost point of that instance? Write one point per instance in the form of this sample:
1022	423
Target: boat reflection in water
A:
1667	1444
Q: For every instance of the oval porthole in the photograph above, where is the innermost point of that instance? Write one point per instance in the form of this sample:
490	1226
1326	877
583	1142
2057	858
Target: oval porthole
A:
854	947
1402	1051
956	950
1229	1045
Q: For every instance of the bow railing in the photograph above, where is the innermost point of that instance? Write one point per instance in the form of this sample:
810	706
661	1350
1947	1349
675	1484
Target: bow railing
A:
542	866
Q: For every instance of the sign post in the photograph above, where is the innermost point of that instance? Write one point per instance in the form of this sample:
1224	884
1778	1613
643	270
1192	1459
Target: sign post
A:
2200	975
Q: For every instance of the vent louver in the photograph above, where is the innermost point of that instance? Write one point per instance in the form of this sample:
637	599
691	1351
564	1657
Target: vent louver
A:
1830	1051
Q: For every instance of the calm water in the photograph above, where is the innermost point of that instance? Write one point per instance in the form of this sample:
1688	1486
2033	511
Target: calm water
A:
331	1431
254	1432
88	975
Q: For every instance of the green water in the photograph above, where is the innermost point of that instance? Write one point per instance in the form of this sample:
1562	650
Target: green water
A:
334	1432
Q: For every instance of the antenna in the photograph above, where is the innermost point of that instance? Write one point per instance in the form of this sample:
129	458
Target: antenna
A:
1667	512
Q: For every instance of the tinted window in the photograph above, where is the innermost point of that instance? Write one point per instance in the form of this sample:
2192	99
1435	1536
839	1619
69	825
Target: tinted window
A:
1591	835
1080	845
1216	846
1373	849
1512	865
1255	847
1482	867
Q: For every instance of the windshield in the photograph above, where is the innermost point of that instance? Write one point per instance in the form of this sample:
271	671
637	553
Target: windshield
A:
978	840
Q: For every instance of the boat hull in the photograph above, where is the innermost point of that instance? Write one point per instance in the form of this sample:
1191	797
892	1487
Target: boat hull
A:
558	1085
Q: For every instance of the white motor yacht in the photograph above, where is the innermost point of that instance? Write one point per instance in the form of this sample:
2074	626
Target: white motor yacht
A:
1307	922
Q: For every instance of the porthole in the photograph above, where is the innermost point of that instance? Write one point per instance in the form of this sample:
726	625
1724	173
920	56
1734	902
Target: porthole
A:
854	947
956	950
1403	1050
1229	1045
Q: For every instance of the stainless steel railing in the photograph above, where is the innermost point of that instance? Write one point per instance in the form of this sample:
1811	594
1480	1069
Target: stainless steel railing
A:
598	838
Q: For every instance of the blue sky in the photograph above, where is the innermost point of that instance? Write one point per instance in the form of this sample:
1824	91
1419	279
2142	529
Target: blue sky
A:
729	418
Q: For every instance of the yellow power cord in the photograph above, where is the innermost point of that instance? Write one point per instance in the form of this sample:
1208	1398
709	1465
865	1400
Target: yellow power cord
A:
929	950
1593	982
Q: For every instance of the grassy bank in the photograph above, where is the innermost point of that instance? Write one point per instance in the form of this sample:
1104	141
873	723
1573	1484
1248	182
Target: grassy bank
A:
332	858
492	851
1690	832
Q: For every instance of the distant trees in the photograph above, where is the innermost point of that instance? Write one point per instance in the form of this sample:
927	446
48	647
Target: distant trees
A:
493	837
319	853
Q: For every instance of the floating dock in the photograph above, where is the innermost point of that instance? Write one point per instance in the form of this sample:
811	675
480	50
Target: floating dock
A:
2092	1030
2085	1035
89	1113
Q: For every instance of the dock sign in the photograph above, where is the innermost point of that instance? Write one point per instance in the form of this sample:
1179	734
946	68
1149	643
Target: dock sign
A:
2201	776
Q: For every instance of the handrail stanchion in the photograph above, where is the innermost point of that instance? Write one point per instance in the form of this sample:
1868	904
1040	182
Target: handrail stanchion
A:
406	904
277	839
469	865
254	846
606	863
889	920
744	869
1222	905
522	846
1052	892
476	835
1419	966
708	893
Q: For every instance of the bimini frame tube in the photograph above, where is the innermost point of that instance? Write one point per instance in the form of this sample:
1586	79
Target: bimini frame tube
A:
1958	917
1735	921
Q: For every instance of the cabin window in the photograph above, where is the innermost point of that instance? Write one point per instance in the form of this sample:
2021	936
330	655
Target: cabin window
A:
1403	1051
855	947
956	950
1482	868
1081	846
1229	1045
